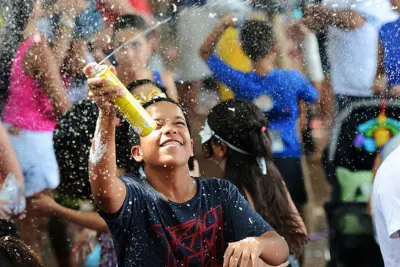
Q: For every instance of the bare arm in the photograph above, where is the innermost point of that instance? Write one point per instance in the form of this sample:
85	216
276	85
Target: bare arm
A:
208	46
109	192
87	219
41	65
69	11
317	15
169	83
8	158
275	250
45	205
380	78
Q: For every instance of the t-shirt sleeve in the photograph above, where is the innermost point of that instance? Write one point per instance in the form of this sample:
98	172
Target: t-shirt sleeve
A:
245	222
127	216
226	74
307	91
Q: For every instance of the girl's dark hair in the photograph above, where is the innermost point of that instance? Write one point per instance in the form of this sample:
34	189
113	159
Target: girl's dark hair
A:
136	138
242	124
15	253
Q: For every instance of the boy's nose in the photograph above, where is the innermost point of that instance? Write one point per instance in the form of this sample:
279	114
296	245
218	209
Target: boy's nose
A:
170	129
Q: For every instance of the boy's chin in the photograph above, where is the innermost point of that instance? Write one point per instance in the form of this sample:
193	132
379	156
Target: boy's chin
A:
173	162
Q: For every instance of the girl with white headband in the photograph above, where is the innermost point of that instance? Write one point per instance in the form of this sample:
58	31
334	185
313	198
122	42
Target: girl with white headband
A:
235	138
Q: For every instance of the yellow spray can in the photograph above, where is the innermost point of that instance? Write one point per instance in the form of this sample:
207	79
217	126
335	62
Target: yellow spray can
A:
134	113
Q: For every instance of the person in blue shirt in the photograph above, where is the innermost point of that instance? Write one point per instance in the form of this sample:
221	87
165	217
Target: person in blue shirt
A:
275	91
160	215
389	55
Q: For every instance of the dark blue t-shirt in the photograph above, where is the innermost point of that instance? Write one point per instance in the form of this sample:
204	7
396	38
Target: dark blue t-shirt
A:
276	94
151	230
389	36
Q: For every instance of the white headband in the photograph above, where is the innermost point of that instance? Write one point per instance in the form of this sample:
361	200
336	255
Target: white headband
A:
206	135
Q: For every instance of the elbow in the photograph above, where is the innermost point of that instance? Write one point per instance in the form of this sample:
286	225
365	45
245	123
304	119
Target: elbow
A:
204	53
278	253
102	228
282	255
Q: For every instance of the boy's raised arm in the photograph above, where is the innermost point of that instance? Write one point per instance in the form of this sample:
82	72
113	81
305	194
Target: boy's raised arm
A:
108	190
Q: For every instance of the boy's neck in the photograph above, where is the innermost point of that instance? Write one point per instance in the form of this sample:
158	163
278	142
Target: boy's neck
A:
175	184
264	66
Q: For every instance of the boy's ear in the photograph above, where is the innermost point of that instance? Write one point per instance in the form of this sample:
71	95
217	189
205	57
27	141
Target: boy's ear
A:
137	154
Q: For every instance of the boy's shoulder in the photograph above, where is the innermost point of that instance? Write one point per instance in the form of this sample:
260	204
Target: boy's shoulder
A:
216	184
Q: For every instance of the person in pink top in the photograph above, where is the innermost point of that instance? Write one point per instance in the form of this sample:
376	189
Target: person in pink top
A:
35	100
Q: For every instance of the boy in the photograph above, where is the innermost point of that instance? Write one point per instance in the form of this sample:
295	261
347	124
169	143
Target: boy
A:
164	217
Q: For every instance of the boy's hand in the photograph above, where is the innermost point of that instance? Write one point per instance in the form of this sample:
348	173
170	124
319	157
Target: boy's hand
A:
100	92
243	253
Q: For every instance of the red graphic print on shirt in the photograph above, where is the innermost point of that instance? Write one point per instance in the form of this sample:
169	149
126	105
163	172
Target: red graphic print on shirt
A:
197	241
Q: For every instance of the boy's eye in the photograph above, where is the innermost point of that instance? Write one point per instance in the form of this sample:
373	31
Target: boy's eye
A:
181	123
159	126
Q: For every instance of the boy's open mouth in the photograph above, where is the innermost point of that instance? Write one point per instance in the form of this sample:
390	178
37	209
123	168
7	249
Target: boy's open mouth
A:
171	143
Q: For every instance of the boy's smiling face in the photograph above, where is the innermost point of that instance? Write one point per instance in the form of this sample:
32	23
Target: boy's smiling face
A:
134	54
169	145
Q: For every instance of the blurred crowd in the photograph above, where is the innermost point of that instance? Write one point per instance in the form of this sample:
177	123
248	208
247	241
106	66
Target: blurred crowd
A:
299	64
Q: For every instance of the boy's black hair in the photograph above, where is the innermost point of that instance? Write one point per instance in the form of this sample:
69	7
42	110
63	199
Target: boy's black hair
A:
137	83
130	21
243	125
257	38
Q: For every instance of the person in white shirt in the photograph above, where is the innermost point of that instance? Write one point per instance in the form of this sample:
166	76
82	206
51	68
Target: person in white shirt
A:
352	43
386	206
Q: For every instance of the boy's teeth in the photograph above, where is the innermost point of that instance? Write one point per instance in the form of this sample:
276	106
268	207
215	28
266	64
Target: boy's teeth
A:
172	143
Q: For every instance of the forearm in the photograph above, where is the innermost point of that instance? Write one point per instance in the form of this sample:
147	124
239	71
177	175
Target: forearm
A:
109	191
275	249
63	42
8	158
208	46
88	219
344	19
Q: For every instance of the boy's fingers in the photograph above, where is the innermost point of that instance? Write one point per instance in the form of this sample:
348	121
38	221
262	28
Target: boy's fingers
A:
97	82
227	255
88	69
113	70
